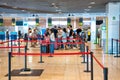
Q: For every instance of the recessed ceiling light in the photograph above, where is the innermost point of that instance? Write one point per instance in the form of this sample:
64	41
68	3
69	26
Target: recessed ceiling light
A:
4	3
89	6
59	10
23	10
53	4
92	2
87	9
15	7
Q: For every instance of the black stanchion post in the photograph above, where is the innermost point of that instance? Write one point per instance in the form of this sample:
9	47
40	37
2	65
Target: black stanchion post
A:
19	35
8	39
19	43
41	61
25	61
87	65
112	46
27	44
83	47
105	72
11	46
100	42
80	47
9	66
91	65
8	42
117	49
26	39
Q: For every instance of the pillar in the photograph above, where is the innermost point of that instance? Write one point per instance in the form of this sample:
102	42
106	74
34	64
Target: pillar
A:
113	14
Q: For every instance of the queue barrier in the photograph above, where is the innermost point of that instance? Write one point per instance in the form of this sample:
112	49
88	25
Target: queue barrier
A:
105	70
117	47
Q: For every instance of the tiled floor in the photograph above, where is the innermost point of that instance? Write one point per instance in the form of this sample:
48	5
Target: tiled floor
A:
60	67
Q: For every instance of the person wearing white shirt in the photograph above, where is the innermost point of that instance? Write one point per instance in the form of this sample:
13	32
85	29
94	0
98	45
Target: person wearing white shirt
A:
52	40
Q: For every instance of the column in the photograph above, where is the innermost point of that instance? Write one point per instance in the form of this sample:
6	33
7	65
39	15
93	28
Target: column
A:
113	13
93	30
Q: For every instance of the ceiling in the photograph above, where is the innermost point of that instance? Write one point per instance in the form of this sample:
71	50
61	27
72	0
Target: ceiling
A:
53	6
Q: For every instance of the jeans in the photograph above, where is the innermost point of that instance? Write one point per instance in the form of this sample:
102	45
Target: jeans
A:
51	47
43	48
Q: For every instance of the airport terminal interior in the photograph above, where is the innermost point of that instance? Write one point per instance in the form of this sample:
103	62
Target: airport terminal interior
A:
59	39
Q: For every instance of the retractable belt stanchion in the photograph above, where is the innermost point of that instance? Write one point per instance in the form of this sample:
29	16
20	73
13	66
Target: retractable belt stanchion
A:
91	53
87	65
83	47
26	40
25	61
105	72
19	43
41	61
8	40
27	44
9	66
112	46
117	49
11	46
100	42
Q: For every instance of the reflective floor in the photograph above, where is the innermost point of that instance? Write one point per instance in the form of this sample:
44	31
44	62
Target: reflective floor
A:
58	67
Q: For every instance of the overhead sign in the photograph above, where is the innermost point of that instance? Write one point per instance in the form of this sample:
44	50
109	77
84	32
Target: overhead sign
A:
1	21
37	21
68	21
13	21
49	21
80	21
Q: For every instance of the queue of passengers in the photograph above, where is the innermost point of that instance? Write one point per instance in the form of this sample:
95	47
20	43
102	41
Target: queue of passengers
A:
57	35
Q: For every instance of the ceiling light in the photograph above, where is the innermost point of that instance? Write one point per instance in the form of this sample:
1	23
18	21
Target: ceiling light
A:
92	2
53	4
87	9
15	7
23	10
89	6
59	10
4	3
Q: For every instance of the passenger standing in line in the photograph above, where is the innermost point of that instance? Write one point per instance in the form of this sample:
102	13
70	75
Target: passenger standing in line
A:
59	37
78	32
7	35
68	32
30	37
34	38
64	38
89	34
52	41
55	33
71	35
83	40
48	35
47	38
